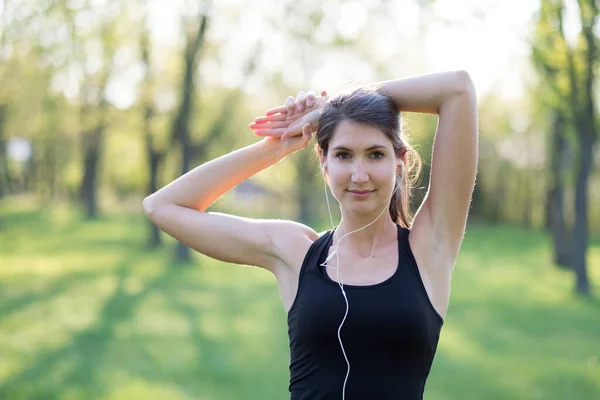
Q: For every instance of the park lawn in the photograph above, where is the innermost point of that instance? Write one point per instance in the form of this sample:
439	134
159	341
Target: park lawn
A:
87	312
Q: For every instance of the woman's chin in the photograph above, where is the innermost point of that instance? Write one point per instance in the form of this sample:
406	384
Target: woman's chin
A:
362	207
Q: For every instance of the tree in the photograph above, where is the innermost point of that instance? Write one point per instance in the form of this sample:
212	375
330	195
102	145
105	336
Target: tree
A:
181	129
556	189
94	105
570	71
182	120
153	153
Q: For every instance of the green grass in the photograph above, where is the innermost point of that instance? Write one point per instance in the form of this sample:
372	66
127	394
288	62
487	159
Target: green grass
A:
87	312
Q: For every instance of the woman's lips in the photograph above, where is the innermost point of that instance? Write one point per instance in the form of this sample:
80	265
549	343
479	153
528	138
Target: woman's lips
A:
360	194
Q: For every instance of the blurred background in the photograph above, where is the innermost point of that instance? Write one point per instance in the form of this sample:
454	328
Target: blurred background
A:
105	101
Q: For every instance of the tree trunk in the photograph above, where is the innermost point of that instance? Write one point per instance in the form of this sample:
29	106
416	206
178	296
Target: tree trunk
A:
526	216
92	146
579	67
153	156
154	160
561	239
556	203
586	130
182	252
580	228
93	142
181	125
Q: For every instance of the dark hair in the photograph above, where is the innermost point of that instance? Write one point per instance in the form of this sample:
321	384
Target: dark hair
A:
371	107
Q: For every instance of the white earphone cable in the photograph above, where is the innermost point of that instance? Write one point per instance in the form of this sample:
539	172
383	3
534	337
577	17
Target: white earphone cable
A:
337	269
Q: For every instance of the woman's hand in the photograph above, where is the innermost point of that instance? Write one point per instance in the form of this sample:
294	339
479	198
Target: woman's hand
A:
292	124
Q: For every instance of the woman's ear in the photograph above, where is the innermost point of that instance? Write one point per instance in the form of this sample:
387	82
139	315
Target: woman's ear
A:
401	167
322	161
401	163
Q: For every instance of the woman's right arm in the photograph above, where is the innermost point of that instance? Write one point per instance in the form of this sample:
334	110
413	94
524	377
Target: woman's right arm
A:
179	209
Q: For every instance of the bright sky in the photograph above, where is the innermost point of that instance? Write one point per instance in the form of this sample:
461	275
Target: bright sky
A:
493	49
488	38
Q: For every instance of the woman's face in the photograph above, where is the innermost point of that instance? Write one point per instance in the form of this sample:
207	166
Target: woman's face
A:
361	168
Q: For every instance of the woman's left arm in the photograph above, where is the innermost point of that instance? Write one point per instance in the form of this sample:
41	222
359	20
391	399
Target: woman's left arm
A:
452	96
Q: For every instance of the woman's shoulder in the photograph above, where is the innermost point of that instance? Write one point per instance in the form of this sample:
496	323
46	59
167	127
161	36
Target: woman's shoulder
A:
292	240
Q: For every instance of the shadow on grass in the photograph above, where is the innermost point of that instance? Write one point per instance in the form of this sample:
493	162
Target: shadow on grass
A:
18	303
515	329
85	367
73	367
227	338
518	352
38	234
207	334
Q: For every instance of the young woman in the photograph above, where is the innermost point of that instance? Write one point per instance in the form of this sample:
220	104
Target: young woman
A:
366	300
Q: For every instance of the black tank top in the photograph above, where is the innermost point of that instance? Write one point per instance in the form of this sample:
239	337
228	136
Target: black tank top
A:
390	334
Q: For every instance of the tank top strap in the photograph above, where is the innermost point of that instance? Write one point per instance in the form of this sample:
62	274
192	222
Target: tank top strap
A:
311	259
405	252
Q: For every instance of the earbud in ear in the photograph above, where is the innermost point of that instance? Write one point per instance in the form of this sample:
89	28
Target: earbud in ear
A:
402	167
324	166
401	172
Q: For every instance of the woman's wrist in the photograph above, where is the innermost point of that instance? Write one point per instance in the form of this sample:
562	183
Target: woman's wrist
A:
274	152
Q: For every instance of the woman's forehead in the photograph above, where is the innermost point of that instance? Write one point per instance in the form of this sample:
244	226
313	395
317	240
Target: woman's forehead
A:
352	135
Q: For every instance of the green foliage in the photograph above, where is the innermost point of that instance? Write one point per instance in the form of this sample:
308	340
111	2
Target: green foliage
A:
565	67
45	45
87	312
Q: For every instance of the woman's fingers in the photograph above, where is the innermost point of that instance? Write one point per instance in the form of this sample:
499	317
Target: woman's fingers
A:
300	139
282	130
301	101
290	105
310	98
277	110
272	125
286	135
296	130
270	118
272	121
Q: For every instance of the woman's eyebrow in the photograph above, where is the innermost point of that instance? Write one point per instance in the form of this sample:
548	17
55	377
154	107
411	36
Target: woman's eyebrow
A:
375	147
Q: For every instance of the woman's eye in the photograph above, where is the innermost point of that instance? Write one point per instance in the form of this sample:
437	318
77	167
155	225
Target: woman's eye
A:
377	155
343	156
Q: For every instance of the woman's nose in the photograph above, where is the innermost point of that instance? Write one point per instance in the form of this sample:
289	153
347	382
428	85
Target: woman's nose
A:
359	173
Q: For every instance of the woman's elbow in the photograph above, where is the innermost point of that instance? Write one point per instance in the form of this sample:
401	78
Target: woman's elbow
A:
464	83
149	207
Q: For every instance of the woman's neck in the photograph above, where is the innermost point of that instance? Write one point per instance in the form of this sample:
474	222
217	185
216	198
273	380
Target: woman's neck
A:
365	241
